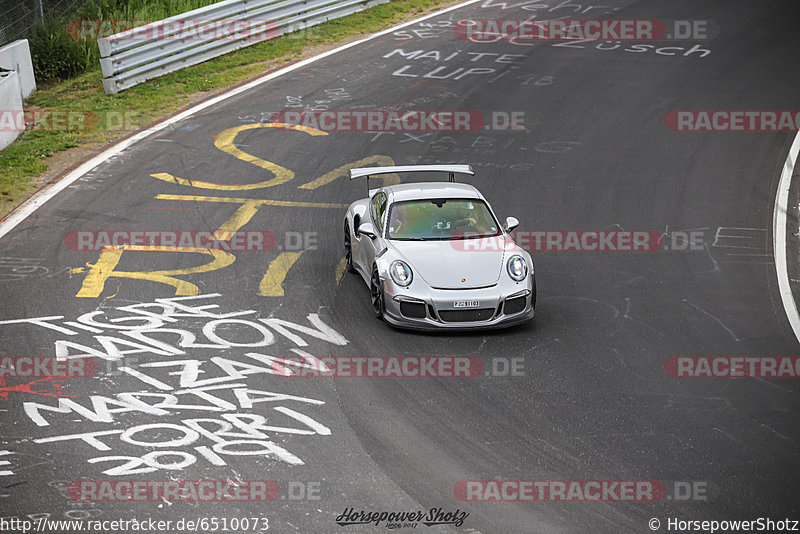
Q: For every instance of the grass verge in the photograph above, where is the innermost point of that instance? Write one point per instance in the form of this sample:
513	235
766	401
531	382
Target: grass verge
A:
33	159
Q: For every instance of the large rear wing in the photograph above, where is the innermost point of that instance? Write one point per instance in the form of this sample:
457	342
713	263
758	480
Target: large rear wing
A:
451	170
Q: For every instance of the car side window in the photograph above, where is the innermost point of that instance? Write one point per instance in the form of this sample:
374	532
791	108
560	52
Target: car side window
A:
373	209
381	211
377	210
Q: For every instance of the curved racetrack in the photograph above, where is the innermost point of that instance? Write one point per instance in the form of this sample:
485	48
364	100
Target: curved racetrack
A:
591	399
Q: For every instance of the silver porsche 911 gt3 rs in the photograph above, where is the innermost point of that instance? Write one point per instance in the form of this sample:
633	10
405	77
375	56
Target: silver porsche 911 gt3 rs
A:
434	255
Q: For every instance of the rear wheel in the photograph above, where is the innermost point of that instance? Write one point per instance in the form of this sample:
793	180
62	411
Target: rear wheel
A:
348	249
376	291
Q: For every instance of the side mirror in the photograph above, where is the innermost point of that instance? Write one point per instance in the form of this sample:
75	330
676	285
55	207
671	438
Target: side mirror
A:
511	223
368	229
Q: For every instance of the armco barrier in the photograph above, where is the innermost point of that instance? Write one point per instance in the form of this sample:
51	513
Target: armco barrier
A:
134	56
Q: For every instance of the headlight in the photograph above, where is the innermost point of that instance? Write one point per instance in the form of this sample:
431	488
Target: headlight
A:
517	268
401	273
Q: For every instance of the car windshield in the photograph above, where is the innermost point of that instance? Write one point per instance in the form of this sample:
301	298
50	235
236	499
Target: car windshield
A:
438	219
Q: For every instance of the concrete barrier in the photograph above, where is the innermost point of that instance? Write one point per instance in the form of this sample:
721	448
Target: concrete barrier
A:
16	84
17	56
10	107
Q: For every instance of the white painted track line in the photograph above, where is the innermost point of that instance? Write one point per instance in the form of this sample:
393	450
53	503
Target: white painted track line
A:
779	234
38	199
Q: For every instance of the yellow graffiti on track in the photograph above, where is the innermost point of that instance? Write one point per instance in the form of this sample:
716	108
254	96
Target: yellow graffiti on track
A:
105	268
271	284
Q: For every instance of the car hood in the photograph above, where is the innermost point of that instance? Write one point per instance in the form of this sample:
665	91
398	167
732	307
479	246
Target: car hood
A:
443	264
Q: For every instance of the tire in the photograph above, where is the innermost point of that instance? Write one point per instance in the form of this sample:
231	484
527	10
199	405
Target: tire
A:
376	294
348	249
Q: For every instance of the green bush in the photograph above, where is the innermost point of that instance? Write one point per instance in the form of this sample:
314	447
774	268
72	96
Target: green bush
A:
57	56
140	9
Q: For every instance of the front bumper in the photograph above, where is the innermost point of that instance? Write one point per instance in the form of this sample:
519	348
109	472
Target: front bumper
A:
423	308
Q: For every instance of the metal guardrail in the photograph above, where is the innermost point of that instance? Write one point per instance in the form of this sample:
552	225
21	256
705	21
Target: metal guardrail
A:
139	54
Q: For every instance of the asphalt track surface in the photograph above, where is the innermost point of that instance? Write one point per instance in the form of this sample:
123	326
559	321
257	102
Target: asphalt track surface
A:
592	400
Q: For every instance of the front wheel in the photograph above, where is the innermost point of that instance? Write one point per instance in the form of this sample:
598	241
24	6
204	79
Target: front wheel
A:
376	291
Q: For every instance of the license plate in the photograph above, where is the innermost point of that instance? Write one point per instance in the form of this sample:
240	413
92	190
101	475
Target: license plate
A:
466	304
